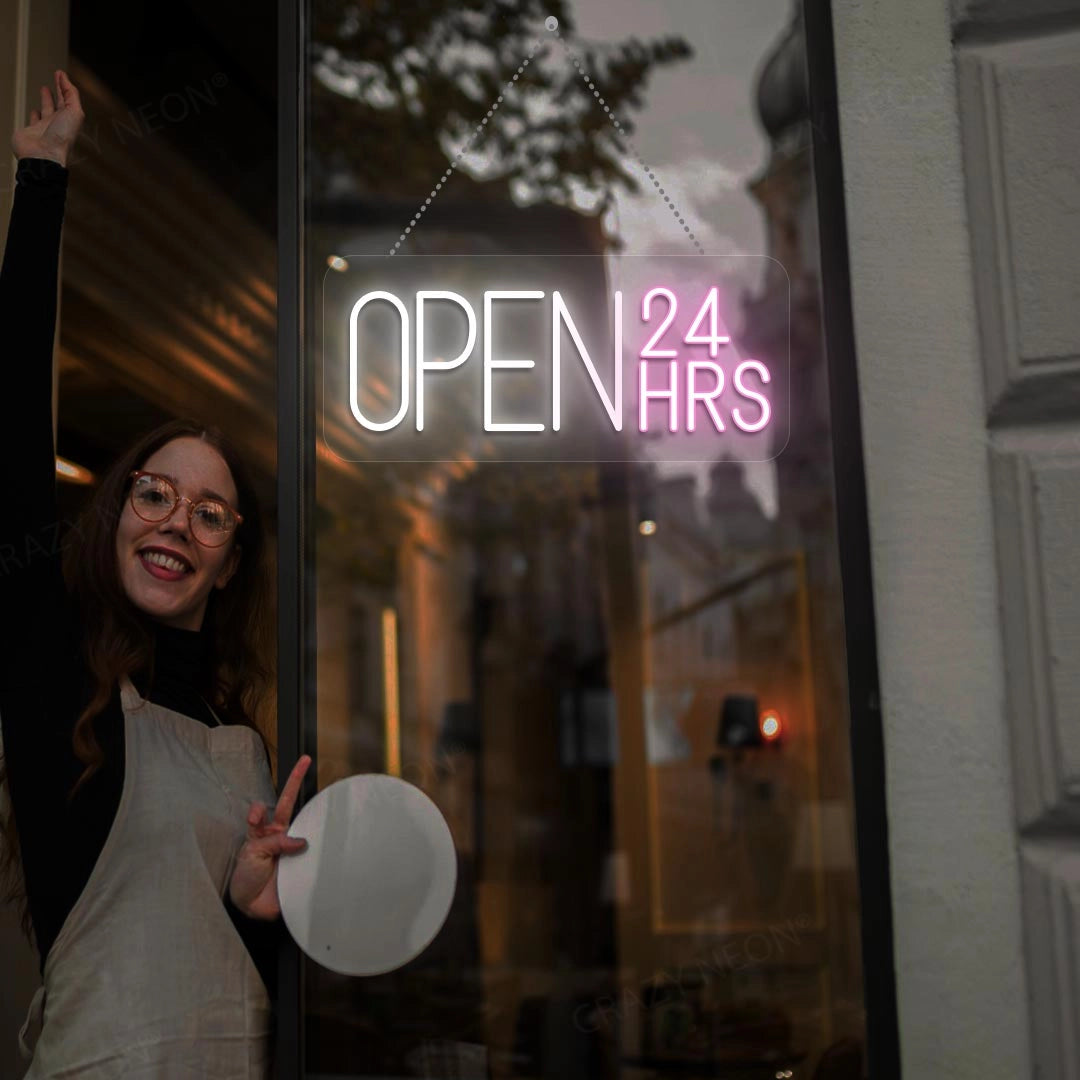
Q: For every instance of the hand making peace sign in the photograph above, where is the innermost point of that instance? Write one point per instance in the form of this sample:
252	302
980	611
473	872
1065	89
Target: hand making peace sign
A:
253	886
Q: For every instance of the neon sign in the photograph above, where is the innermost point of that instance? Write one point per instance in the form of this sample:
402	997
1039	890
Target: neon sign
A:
687	372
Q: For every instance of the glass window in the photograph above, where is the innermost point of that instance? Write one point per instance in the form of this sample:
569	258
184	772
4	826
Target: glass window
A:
153	327
615	664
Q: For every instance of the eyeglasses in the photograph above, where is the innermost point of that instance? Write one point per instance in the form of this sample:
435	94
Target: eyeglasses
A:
154	499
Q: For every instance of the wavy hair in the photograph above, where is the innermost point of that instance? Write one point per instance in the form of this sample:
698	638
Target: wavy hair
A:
117	638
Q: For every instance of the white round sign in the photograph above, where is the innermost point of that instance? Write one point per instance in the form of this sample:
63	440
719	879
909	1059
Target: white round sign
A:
375	883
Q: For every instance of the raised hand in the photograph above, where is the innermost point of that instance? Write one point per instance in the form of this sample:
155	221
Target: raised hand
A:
52	128
253	886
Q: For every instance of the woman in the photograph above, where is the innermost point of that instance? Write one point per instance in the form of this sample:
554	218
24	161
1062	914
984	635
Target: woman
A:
130	679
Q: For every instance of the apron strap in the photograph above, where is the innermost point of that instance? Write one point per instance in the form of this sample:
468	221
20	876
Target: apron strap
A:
30	1032
129	696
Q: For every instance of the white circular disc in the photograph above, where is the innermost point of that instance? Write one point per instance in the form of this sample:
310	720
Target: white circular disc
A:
375	883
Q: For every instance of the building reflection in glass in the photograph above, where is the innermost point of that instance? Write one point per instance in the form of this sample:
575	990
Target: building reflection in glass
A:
624	687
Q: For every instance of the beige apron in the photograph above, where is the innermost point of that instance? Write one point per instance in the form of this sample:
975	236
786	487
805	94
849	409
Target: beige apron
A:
148	978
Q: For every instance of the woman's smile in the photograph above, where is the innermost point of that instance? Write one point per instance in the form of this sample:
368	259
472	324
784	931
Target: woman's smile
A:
164	563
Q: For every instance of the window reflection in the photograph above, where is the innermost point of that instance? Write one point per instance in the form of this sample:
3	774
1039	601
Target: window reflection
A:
622	683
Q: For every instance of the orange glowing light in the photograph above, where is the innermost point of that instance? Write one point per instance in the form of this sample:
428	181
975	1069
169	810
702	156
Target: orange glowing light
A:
72	473
391	714
770	725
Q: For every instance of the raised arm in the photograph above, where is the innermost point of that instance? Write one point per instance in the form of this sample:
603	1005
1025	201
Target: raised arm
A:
28	285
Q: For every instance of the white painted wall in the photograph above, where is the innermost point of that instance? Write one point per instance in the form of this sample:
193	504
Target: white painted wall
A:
953	842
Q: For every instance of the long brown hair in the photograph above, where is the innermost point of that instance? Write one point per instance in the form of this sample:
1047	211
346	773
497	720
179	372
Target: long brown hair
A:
118	639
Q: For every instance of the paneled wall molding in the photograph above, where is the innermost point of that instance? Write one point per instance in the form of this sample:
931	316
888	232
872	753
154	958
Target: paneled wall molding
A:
1018	87
1013	17
1051	885
1037	511
1022	163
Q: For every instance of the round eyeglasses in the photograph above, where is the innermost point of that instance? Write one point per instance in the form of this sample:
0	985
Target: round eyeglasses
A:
154	499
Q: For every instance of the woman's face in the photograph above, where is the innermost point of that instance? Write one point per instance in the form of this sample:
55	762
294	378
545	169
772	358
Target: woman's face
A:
177	597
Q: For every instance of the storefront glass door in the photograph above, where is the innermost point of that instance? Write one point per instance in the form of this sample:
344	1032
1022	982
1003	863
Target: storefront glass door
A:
614	659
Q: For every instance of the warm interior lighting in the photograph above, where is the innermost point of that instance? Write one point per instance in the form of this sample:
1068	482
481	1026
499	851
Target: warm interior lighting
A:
391	715
336	262
647	527
770	725
72	473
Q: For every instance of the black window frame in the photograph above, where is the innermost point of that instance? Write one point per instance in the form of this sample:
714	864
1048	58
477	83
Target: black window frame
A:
853	538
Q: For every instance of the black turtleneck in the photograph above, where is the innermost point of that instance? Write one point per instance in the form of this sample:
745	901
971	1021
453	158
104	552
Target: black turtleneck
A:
43	680
181	673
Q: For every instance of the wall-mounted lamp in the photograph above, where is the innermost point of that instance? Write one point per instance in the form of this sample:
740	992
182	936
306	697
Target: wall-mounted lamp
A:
743	728
740	724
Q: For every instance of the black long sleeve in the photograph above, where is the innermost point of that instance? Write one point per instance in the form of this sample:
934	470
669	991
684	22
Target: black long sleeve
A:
31	586
37	633
42	676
